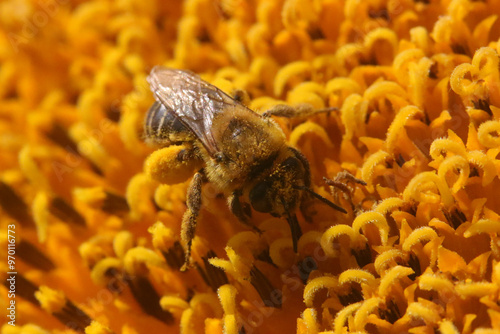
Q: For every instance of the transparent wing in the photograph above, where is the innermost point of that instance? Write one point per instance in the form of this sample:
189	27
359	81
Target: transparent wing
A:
194	101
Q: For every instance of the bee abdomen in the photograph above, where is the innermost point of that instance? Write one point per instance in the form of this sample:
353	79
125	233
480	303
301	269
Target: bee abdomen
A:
163	127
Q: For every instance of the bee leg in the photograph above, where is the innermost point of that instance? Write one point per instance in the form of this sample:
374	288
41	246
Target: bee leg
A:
241	211
188	226
340	183
299	110
294	229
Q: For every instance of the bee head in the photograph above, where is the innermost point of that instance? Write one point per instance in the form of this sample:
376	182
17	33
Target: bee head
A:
277	194
280	193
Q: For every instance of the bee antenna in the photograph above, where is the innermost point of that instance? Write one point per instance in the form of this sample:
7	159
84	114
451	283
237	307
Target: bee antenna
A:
321	198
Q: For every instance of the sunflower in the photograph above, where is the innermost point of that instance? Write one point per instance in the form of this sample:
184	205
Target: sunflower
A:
410	148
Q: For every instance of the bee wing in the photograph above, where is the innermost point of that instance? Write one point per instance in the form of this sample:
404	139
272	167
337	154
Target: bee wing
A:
194	101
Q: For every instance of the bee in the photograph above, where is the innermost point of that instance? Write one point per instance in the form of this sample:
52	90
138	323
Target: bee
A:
243	153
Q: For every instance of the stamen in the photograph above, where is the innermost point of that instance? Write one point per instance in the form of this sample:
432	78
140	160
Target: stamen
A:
272	297
145	294
363	256
74	318
24	288
353	297
483	104
306	266
414	264
212	275
56	303
264	256
113	113
33	256
101	199
391	313
114	204
400	160
97	328
60	137
174	256
65	212
115	282
455	217
14	205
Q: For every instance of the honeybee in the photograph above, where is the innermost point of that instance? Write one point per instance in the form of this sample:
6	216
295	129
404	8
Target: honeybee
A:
243	153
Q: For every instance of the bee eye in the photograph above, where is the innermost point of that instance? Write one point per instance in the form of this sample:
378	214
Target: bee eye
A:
291	164
259	198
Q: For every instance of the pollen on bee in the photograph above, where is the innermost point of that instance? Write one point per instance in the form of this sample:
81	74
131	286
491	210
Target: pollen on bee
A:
173	164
